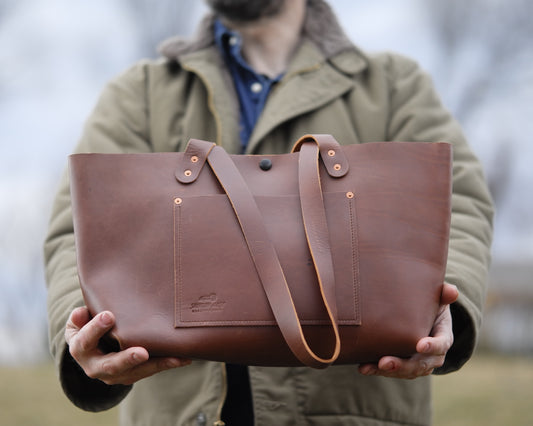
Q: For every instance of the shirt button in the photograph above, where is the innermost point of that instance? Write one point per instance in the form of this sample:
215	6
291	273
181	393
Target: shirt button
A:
201	419
256	87
233	40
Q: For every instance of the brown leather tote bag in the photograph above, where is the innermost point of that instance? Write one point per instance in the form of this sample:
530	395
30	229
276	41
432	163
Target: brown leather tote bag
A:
329	254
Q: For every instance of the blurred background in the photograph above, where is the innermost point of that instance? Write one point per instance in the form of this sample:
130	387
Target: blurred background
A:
56	55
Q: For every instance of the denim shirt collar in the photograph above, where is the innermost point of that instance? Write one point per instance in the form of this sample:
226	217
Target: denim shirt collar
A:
252	88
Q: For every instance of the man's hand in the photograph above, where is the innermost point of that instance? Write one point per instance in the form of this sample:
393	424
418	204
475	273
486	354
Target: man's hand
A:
125	367
431	351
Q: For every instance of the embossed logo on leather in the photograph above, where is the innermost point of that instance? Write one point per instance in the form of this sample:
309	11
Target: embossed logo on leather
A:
208	303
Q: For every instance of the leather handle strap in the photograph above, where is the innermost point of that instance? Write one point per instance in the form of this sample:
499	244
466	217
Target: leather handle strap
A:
316	229
267	262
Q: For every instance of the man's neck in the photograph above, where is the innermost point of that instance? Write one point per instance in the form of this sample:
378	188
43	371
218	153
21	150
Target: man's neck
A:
268	44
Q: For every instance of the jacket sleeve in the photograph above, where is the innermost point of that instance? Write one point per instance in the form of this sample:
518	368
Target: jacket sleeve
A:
118	124
418	115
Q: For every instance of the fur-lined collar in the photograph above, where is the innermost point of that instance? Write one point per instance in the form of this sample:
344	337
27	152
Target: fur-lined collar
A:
320	27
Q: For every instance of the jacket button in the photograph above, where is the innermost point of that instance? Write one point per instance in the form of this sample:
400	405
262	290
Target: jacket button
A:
265	164
201	419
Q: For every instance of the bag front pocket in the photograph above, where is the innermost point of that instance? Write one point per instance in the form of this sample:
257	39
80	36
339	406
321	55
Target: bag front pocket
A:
216	283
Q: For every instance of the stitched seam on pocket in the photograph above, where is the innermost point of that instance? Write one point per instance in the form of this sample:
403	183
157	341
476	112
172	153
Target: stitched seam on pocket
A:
354	228
177	263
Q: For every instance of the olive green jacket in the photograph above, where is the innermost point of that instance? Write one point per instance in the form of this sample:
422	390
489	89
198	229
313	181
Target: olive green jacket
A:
330	87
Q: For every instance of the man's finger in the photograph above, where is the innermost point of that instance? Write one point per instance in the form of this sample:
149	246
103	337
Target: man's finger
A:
449	294
153	366
408	368
114	365
127	367
77	319
85	341
434	346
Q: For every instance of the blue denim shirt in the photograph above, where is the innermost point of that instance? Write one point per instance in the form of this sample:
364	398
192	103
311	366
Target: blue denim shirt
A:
252	88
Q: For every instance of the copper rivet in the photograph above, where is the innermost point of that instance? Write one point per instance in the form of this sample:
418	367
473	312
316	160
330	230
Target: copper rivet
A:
331	153
337	167
187	173
194	159
349	195
177	201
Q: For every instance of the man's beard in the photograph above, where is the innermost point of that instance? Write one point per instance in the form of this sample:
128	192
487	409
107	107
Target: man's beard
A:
246	10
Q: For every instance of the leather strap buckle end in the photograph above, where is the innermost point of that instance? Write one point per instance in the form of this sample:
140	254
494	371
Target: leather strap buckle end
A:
193	160
330	151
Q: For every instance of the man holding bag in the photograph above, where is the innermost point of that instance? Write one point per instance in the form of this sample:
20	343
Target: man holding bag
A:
258	75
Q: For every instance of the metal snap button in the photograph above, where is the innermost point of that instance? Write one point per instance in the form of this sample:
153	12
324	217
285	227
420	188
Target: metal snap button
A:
265	164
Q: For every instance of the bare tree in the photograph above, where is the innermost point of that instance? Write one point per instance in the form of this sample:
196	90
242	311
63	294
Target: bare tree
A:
502	27
485	44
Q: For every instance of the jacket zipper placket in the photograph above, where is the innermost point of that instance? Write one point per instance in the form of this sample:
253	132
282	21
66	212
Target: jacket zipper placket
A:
219	421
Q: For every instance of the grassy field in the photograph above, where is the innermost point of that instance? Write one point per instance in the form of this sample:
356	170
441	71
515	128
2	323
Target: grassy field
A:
489	391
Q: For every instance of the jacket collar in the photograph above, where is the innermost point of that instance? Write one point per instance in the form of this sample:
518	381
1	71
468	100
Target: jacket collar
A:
333	43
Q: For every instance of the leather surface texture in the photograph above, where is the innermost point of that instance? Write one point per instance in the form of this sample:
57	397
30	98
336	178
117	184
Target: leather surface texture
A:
334	254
